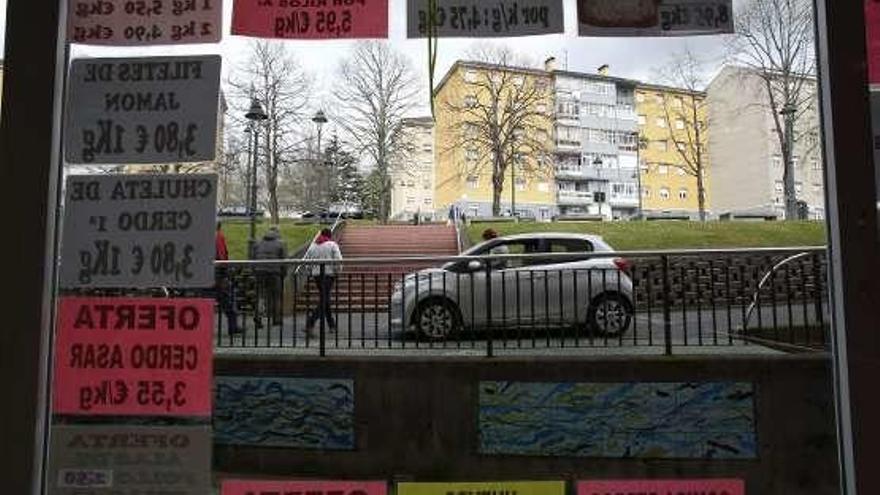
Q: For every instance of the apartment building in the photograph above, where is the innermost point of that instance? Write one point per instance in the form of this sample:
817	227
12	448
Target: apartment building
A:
747	166
468	98
673	151
412	180
596	144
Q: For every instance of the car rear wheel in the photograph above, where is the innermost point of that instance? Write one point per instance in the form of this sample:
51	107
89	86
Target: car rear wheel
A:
437	319
609	314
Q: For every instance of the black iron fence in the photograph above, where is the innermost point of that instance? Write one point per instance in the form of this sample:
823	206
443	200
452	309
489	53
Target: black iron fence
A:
760	300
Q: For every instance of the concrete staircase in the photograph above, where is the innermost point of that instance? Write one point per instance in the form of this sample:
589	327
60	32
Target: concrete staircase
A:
366	287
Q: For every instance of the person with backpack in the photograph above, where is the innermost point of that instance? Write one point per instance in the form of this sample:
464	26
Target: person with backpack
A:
270	279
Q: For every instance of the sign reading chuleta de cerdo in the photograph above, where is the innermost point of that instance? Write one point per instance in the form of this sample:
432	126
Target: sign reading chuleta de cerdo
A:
133	356
139	230
484	487
277	487
144	22
129	460
662	487
142	110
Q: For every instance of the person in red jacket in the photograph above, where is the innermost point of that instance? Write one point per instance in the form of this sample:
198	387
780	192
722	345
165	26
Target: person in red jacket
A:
224	287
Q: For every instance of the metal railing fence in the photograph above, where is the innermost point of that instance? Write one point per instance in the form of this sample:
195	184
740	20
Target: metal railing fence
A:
645	301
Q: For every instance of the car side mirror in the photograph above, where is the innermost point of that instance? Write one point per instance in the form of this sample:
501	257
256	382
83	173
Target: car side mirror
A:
474	265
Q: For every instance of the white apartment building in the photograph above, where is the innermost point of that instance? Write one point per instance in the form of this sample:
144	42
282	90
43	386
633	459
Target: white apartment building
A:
747	167
596	144
412	180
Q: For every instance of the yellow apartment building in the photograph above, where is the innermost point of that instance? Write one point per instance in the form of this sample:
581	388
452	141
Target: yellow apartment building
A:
463	104
673	135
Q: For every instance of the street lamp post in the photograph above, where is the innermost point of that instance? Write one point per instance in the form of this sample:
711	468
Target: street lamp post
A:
320	119
254	115
641	143
597	162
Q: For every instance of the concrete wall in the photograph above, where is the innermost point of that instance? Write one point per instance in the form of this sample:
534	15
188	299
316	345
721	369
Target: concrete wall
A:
418	419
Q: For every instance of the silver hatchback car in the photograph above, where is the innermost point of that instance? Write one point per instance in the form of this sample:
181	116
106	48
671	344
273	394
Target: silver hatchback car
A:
540	280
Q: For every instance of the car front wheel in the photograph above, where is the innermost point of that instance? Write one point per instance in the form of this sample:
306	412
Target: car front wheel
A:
609	314
436	319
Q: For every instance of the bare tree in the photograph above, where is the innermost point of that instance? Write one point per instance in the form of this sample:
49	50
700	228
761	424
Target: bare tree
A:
685	113
500	122
774	39
378	88
272	75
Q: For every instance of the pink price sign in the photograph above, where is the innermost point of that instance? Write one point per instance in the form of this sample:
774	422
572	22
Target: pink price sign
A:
310	19
872	34
252	487
662	487
133	356
144	22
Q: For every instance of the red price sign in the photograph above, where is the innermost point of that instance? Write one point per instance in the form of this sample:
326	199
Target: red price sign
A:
144	22
872	33
134	356
707	486
310	19
261	487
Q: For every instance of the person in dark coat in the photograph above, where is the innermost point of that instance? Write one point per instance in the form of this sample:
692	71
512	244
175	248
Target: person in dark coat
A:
270	279
225	290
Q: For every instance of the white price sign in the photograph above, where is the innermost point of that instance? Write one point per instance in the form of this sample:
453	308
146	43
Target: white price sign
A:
142	110
478	18
144	22
654	17
139	231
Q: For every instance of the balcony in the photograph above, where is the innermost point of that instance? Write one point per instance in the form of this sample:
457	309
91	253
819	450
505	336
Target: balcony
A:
568	145
568	197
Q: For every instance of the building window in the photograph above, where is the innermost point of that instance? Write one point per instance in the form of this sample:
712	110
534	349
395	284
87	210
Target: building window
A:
410	183
662	169
568	109
646	192
795	162
426	185
679	124
643	119
798	187
680	146
541	108
664	193
470	101
815	165
410	200
471	154
640	97
660	122
676	102
776	161
779	186
680	170
473	182
617	189
683	193
470	75
518	81
427	201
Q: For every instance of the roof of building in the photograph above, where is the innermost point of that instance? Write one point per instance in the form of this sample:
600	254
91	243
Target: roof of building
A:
601	77
671	89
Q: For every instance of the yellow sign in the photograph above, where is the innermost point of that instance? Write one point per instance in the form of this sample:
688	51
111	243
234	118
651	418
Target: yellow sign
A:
484	488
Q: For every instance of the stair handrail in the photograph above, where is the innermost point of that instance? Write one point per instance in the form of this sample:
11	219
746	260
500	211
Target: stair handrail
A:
757	294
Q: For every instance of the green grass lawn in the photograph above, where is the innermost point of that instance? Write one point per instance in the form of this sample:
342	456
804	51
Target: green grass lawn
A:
656	235
293	234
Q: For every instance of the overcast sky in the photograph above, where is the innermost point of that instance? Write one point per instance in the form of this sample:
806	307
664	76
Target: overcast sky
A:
628	57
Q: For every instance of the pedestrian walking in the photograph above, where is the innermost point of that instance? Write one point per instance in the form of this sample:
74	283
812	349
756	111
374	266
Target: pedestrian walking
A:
323	275
270	279
224	289
453	216
499	249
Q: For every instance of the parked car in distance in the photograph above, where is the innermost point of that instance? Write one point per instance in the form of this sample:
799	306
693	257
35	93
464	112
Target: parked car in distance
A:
238	212
579	285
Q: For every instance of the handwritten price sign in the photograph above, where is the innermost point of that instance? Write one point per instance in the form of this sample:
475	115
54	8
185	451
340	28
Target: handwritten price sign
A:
127	356
478	18
142	110
654	17
144	22
139	231
310	19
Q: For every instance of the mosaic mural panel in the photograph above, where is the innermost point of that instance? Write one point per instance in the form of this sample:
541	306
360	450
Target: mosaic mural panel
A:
707	420
306	413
